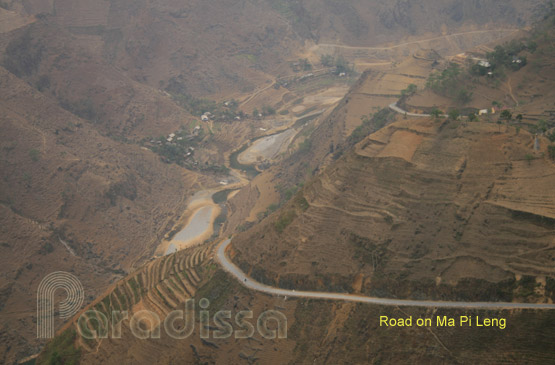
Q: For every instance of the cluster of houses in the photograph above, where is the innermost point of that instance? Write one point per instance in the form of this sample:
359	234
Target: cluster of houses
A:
517	60
173	138
205	117
486	111
484	63
462	58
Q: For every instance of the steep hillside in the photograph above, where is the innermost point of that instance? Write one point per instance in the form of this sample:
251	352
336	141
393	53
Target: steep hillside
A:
369	23
72	200
317	331
59	65
161	287
425	207
217	47
416	204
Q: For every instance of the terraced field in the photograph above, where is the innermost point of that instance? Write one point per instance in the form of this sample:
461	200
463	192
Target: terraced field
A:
159	287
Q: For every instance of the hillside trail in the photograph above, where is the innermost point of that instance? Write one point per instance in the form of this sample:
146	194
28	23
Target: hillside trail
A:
511	90
256	93
416	42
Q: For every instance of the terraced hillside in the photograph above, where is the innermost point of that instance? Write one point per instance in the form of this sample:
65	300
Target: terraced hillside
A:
423	208
159	287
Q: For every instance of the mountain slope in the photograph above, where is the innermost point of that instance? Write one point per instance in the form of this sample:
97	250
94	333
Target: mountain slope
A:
72	200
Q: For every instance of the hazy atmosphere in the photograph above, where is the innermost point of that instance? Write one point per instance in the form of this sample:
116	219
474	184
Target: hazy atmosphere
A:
277	182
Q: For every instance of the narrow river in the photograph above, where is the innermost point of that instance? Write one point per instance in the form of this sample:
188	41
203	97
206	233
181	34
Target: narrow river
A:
202	211
196	229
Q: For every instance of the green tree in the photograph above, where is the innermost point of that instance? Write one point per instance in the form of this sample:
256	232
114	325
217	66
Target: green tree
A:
436	113
445	82
463	96
305	64
529	158
268	110
410	90
506	115
341	65
326	60
519	118
472	117
454	114
541	126
478	70
532	46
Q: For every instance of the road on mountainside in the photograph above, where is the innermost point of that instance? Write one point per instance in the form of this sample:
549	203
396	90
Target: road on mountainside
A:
254	285
394	107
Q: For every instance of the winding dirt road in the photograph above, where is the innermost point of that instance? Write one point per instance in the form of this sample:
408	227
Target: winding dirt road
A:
232	269
507	30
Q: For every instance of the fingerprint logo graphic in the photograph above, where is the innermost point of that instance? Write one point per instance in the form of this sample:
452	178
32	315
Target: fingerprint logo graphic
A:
45	300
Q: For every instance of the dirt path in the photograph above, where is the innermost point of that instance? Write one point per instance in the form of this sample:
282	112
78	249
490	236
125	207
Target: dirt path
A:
511	91
414	42
243	103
